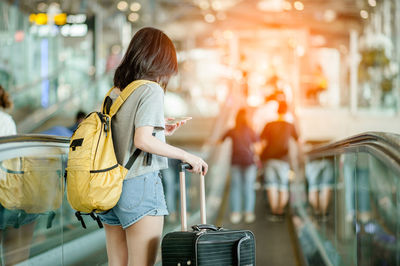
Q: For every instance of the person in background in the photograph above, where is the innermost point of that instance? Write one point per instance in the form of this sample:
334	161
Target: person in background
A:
243	170
275	138
133	227
80	116
7	124
63	131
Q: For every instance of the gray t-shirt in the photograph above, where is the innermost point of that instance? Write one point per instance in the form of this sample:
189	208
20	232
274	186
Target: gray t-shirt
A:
144	107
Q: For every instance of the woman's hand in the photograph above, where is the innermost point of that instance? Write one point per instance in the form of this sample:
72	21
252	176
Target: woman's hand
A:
198	165
171	128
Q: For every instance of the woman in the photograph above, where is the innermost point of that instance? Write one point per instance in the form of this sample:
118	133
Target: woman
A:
134	226
7	123
243	170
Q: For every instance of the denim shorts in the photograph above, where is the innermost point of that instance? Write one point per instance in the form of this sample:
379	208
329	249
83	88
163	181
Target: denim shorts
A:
319	174
276	174
141	196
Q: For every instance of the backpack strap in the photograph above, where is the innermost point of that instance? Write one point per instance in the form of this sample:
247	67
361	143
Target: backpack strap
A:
125	94
132	159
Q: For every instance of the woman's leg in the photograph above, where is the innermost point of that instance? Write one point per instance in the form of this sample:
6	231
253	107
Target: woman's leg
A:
235	195
117	251
272	184
236	185
143	238
249	194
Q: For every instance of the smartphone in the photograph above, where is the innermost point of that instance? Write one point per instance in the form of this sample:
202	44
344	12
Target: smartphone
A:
177	120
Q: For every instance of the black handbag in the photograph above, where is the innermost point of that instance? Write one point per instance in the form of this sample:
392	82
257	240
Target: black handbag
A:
206	245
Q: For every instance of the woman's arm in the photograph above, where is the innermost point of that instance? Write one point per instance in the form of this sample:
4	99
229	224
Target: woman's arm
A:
146	142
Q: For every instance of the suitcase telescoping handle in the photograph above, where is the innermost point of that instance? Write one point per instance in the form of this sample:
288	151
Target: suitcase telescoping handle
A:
203	216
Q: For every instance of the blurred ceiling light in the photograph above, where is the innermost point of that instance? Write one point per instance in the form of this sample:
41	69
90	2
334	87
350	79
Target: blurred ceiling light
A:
228	34
343	49
42	7
135	6
255	100
298	5
122	5
204	4
210	18
287	6
271	5
116	49
329	15
292	43
221	15
372	3
364	14
55	5
300	51
318	40
133	17
216	5
41	19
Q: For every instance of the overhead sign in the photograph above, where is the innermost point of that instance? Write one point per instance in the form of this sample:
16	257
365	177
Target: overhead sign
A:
68	25
43	19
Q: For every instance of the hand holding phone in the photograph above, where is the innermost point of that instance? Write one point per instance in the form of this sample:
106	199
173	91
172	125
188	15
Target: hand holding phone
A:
177	120
172	124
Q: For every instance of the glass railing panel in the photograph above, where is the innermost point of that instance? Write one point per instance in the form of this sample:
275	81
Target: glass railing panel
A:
37	224
315	218
346	207
31	196
377	220
364	226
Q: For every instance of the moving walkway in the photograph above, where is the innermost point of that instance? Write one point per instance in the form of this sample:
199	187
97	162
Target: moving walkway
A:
360	226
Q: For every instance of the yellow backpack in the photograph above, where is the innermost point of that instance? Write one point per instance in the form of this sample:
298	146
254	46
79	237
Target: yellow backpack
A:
94	177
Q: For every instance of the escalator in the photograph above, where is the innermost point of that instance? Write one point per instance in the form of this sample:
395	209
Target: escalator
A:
355	222
348	213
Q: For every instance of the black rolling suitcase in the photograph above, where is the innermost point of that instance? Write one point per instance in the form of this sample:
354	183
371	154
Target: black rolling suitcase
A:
206	244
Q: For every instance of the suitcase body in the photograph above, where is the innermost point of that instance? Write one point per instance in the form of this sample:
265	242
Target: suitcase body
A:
207	245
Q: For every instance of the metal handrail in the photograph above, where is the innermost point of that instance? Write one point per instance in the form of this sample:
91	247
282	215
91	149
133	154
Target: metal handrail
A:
388	143
33	138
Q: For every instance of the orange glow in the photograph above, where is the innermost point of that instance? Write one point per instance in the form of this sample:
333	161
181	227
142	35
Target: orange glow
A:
299	5
228	34
287	6
221	15
204	4
210	18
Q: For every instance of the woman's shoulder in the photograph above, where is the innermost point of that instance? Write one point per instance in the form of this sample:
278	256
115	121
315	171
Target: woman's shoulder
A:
147	90
151	87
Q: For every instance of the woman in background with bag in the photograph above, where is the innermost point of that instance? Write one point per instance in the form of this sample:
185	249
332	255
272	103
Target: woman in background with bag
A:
134	226
243	170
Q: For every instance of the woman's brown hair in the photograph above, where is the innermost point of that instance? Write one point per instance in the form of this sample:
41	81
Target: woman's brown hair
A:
151	55
5	101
